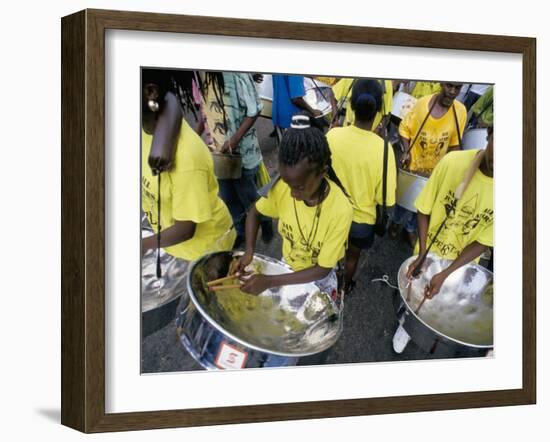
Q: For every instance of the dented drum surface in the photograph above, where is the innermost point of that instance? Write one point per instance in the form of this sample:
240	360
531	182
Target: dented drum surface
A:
462	312
230	329
160	297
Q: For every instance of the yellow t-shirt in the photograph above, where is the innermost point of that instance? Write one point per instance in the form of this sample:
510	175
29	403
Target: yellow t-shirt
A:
189	192
331	81
423	88
322	239
472	219
357	159
343	88
436	135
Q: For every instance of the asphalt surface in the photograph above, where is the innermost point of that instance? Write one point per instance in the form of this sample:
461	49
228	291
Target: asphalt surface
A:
369	315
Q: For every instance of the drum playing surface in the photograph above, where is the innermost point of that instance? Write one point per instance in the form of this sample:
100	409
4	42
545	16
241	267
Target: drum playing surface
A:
292	320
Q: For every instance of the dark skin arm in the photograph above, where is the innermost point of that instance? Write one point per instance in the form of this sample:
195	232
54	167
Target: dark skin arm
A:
423	223
471	252
181	231
167	129
301	103
256	284
235	140
406	157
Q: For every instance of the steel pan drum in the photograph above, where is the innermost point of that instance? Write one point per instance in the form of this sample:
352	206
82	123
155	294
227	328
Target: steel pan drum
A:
402	104
160	297
317	100
232	329
409	187
475	139
463	309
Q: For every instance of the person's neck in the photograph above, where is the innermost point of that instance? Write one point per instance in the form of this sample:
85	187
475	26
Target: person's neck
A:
149	123
365	125
485	170
319	195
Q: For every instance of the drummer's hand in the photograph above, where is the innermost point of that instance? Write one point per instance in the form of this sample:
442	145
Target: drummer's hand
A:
435	284
317	113
413	266
160	161
242	263
254	284
229	146
258	78
405	160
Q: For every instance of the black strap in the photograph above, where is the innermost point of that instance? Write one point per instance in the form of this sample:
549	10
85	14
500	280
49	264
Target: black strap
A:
159	269
385	164
385	172
342	100
457	127
422	125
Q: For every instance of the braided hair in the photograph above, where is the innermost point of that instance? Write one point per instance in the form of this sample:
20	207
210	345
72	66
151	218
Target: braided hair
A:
178	82
303	141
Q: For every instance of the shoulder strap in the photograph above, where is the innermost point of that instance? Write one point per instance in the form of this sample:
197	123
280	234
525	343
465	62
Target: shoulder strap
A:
457	127
264	190
422	125
385	171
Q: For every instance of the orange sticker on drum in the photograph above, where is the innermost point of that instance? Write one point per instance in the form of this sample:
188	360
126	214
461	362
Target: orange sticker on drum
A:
230	357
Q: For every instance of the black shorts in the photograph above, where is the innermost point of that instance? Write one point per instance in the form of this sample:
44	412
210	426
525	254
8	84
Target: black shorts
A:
361	235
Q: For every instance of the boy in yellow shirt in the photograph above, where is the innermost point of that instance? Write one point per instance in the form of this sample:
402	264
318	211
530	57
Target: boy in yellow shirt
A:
468	231
314	213
431	129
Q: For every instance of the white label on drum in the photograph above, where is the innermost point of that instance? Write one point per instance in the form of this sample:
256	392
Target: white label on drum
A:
230	357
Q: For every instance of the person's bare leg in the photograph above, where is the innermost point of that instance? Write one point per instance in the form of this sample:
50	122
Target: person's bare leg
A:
352	259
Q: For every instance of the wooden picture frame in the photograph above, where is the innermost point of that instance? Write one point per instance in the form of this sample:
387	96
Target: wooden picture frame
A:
83	215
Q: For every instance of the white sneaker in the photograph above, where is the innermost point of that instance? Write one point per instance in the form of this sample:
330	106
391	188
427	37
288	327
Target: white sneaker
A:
400	339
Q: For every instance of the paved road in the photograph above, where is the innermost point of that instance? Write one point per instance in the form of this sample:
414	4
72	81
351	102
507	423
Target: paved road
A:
369	318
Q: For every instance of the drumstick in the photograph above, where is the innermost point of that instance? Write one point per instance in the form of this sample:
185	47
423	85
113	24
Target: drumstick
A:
219	280
409	287
420	305
218	288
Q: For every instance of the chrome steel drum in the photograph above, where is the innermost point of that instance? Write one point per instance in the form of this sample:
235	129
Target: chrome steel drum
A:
230	329
409	187
160	297
461	312
316	97
402	104
265	91
475	139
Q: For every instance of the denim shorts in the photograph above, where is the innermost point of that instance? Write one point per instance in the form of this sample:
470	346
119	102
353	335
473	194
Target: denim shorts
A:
361	235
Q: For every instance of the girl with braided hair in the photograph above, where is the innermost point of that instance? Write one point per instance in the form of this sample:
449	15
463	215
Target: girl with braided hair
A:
313	211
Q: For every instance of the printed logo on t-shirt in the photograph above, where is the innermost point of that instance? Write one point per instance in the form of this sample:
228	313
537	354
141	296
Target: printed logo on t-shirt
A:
463	221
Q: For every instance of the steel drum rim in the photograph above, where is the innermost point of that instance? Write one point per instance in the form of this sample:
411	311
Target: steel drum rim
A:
411	310
230	335
408	172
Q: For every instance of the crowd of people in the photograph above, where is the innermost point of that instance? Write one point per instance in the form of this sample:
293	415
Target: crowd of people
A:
336	180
